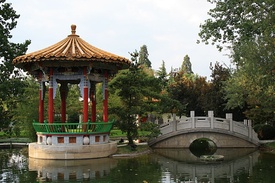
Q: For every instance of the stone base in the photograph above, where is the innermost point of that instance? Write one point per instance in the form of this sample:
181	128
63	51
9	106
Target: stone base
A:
41	151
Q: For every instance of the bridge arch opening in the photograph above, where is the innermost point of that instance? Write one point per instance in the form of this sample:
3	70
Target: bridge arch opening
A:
203	146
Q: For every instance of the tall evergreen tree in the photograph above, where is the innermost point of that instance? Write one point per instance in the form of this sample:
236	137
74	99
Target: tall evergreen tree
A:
162	75
143	57
10	83
186	66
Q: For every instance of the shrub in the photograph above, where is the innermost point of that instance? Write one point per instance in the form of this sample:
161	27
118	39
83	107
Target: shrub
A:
266	132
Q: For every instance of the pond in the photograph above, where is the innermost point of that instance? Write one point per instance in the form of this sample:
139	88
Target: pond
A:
163	165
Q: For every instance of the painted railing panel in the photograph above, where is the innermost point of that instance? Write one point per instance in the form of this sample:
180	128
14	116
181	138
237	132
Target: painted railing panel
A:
73	128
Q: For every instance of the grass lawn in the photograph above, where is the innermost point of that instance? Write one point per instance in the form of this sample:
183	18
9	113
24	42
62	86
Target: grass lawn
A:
118	133
15	140
271	145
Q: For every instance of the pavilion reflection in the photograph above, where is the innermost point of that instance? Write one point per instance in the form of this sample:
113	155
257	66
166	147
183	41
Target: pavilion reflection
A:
71	170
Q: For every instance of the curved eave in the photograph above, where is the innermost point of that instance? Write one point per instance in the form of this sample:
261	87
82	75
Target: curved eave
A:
73	50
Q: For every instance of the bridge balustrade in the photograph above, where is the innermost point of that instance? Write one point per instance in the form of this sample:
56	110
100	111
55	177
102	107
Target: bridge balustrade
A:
212	123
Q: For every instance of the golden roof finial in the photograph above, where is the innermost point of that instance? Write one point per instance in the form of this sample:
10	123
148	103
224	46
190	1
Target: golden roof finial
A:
73	27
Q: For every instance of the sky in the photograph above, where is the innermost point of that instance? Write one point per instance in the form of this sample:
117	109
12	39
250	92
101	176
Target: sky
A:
169	28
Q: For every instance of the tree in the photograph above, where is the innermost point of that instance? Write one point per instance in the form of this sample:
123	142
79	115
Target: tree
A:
143	57
215	96
162	75
137	92
186	66
252	84
10	81
248	27
26	110
236	21
189	91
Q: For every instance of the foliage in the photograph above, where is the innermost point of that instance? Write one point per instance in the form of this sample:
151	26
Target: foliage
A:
189	90
248	27
236	21
253	84
10	83
143	59
215	99
186	66
136	91
162	76
150	127
26	109
266	132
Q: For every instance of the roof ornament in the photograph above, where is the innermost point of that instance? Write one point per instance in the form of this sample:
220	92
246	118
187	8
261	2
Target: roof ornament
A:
73	27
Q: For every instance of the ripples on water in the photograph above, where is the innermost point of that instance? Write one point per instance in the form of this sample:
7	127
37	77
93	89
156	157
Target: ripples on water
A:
162	166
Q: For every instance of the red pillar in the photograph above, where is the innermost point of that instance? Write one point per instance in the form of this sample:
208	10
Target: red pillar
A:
105	101
85	97
41	102
50	102
93	100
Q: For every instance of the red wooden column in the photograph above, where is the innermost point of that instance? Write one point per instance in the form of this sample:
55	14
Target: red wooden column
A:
50	102
105	101
85	97
93	101
41	102
63	94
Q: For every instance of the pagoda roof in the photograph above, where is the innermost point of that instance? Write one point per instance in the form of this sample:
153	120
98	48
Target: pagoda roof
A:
72	51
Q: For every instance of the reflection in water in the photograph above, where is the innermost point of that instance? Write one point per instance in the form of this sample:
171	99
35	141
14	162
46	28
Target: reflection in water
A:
165	166
182	166
203	146
53	170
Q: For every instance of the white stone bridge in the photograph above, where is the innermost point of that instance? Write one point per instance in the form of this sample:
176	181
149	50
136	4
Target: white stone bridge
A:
223	132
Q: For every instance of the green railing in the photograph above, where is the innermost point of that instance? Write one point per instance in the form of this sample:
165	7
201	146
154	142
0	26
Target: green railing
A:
73	128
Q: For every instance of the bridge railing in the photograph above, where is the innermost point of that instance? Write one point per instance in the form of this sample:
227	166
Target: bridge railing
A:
213	123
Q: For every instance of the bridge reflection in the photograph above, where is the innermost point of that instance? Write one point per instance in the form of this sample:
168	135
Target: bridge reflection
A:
181	165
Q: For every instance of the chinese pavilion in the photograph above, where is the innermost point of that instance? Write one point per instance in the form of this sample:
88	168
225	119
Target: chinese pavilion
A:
72	61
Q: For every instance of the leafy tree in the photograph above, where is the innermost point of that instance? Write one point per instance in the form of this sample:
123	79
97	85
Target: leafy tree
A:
136	91
252	84
143	57
10	83
235	21
248	27
215	97
26	110
186	66
189	92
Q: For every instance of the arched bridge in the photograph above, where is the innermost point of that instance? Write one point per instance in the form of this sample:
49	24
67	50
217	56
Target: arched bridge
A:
223	132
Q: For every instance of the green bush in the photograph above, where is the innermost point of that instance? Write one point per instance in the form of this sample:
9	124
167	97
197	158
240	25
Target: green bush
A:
266	132
73	118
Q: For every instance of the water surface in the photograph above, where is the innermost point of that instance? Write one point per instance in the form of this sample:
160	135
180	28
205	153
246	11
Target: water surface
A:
162	166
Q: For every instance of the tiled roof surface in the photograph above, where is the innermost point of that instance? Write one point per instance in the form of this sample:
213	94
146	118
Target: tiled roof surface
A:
72	48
